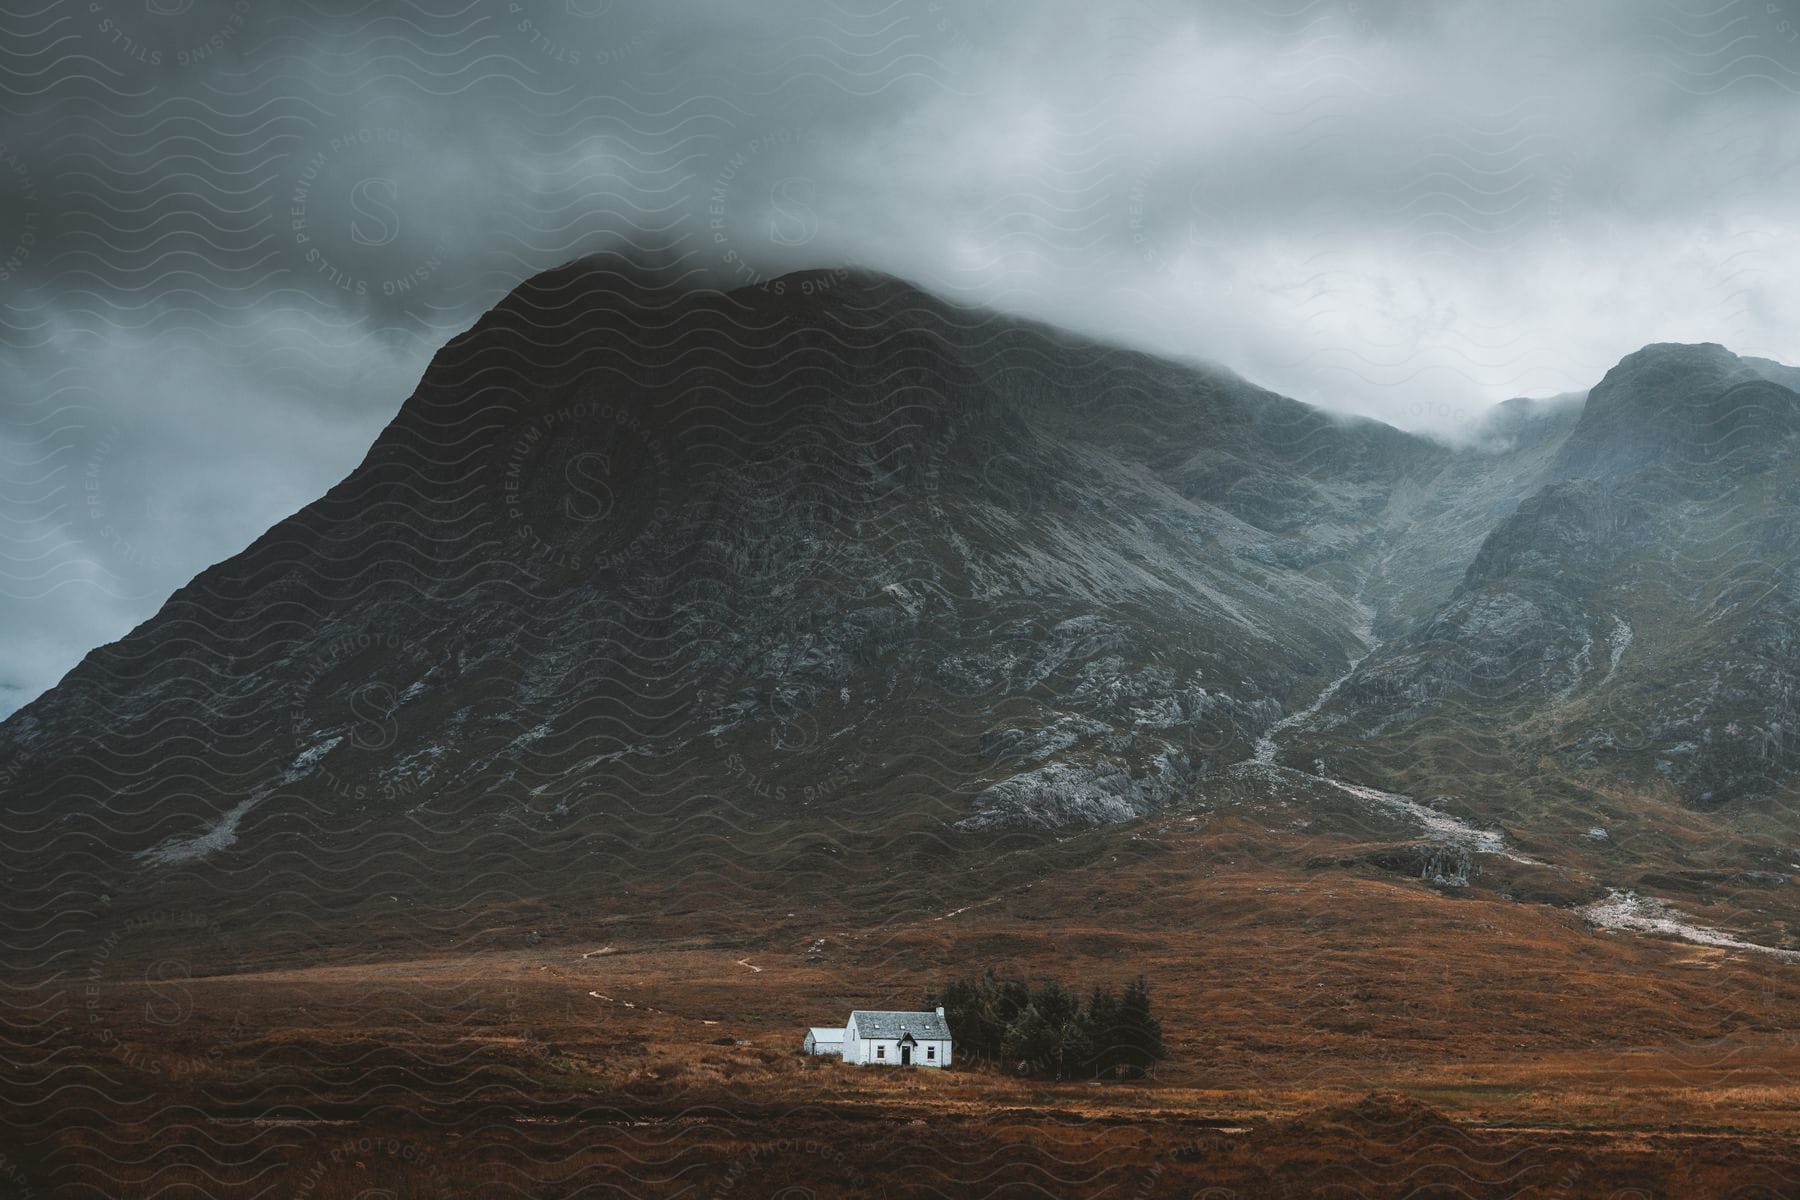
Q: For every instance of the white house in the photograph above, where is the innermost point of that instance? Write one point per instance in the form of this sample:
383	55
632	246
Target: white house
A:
897	1039
822	1039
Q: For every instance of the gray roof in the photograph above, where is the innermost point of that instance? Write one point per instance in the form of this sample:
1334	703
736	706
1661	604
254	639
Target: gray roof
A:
825	1033
873	1023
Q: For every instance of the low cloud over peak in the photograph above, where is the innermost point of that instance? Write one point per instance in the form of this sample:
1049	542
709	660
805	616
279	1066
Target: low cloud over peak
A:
232	235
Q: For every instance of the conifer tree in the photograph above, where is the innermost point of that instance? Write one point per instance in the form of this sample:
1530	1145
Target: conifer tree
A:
1102	1029
1141	1039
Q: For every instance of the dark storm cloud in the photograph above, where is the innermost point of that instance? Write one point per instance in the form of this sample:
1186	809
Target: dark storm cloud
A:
232	234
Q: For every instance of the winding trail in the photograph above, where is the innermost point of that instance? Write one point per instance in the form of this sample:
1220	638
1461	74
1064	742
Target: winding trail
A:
1621	910
1646	914
1437	826
1263	754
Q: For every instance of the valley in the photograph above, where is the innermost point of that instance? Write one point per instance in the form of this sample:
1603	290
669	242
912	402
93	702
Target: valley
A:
680	665
1327	1029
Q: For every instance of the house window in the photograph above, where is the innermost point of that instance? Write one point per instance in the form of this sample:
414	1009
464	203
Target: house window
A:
931	1052
881	1052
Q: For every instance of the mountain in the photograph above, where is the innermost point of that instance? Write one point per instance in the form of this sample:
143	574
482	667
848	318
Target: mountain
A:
1620	653
654	598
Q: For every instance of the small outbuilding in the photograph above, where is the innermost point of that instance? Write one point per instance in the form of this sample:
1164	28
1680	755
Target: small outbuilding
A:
822	1039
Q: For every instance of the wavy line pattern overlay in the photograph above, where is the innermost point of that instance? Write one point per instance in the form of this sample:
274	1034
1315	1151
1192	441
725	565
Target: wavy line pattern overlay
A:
787	554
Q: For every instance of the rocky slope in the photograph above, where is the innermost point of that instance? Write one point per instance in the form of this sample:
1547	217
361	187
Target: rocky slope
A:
1629	631
645	579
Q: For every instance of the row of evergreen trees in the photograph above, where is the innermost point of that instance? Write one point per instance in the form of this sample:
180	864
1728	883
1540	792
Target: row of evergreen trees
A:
1047	1030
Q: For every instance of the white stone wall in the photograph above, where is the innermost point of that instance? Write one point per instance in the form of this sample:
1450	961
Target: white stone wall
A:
865	1052
859	1049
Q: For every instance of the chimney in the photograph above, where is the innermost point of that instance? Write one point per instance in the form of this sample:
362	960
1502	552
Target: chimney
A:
940	1010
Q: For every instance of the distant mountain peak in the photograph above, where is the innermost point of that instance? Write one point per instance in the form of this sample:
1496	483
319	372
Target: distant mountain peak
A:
657	566
1679	404
1655	371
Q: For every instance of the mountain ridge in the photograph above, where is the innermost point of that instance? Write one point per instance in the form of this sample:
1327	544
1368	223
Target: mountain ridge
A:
830	573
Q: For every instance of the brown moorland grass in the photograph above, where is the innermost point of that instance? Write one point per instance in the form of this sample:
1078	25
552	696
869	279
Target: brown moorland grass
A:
1332	1032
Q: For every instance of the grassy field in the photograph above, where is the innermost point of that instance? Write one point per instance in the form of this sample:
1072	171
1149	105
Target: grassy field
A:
1332	1032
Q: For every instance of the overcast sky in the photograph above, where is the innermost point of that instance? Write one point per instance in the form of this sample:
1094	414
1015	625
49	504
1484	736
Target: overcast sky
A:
232	233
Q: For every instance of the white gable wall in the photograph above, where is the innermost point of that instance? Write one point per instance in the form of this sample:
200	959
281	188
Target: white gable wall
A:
866	1052
859	1049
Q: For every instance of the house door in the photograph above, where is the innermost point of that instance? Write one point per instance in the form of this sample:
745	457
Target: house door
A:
906	1056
